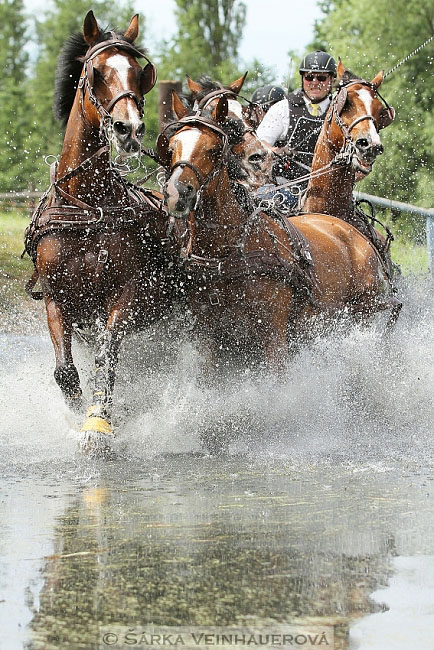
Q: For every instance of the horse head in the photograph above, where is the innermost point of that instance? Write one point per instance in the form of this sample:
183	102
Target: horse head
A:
252	160
194	154
112	85
355	118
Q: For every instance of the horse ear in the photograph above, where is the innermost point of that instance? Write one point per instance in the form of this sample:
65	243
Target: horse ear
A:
386	117
378	80
177	106
90	29
148	78
163	150
193	86
220	112
236	86
340	71
133	29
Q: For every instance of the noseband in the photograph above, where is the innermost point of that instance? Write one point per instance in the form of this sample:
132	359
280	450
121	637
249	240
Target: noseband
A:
87	80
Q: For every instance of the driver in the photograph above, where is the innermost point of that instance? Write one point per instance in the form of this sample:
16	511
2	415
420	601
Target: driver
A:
293	124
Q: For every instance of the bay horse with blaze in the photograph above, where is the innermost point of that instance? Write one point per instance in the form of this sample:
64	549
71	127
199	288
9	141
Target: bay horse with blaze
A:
91	238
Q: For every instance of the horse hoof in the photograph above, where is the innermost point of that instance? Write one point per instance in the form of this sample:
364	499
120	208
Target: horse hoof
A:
97	434
97	424
96	445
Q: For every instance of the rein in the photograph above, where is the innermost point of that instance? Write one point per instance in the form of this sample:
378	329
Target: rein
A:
344	156
59	210
238	262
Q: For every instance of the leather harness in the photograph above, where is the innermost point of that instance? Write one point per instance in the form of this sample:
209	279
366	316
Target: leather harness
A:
59	211
240	263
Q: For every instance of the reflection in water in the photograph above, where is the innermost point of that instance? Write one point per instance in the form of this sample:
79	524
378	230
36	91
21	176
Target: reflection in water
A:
326	486
219	544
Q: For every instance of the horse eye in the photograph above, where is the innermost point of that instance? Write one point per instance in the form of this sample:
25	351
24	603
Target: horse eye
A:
256	157
98	76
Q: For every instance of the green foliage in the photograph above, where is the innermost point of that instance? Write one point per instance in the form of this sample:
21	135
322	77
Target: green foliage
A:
14	165
208	34
373	36
207	40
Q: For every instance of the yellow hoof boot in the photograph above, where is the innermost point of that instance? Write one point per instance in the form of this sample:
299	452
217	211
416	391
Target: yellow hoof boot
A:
97	424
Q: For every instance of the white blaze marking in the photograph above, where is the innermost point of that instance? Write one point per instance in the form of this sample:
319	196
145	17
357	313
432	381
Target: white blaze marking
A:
188	140
366	98
235	107
122	65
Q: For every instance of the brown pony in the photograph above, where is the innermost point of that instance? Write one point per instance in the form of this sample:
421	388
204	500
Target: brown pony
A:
91	236
257	278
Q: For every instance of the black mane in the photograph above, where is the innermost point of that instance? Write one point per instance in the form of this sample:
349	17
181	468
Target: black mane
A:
347	77
208	85
69	67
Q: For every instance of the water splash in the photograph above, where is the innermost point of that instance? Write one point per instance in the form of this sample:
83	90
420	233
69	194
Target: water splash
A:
348	396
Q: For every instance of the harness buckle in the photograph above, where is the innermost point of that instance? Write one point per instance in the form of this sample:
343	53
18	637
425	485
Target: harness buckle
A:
101	215
214	299
102	256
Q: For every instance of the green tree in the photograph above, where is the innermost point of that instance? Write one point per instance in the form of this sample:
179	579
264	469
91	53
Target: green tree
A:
373	36
14	163
206	42
209	32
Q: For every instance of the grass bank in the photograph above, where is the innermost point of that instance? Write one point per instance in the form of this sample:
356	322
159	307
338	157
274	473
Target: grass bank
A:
14	271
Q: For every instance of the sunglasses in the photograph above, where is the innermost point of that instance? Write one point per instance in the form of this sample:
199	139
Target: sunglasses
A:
318	77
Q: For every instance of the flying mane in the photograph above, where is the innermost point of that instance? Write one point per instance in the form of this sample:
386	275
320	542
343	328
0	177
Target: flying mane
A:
69	67
208	85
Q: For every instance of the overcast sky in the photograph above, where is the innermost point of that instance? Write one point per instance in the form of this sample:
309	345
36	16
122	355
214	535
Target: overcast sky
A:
273	27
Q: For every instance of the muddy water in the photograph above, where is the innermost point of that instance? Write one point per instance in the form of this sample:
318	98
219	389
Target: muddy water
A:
320	516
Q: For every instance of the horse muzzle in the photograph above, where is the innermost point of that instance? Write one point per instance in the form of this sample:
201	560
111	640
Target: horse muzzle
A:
365	154
127	138
180	198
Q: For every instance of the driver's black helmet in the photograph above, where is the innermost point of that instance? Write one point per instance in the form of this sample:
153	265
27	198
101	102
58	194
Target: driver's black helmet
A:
268	95
318	62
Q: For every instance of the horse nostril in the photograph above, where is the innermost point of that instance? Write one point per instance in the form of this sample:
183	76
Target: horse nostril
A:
186	191
133	145
377	149
140	131
189	191
122	129
362	143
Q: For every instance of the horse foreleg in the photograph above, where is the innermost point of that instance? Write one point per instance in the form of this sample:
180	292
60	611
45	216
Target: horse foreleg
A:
97	426
276	341
65	374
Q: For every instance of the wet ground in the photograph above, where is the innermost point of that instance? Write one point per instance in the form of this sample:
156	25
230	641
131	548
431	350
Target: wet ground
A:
316	526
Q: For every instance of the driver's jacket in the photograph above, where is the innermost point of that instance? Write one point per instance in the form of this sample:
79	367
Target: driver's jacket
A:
302	134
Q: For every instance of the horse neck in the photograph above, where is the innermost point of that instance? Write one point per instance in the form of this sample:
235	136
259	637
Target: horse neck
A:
93	185
331	192
221	208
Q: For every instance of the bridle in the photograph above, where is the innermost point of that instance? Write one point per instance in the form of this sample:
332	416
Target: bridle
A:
338	102
204	180
87	78
85	84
